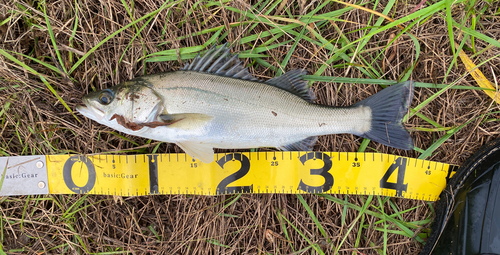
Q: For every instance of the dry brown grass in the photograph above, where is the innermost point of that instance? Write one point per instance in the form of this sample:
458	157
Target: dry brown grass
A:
37	123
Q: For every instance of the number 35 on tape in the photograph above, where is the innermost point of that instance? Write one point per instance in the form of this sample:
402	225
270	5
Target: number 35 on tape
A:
254	172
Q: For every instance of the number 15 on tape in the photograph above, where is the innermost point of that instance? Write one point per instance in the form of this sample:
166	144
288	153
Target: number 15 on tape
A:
254	172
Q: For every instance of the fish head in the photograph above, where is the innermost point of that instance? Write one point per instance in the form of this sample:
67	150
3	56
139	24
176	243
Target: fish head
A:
124	107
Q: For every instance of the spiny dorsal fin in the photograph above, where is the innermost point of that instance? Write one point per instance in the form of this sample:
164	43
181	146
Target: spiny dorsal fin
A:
302	145
220	61
293	83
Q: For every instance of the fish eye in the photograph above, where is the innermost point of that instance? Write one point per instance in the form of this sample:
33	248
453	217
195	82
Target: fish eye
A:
105	97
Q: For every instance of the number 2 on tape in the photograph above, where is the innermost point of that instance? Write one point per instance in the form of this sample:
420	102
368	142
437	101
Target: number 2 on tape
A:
245	167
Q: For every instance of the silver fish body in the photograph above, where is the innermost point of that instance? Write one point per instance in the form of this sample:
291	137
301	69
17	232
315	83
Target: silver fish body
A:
248	114
199	110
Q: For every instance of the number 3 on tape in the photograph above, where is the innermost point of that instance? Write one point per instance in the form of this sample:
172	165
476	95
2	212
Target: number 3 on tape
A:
320	171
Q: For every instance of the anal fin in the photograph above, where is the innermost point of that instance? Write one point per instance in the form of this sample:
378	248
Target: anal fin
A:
302	145
201	151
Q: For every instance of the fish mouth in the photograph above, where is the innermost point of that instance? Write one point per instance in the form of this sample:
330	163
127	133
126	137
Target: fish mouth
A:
92	113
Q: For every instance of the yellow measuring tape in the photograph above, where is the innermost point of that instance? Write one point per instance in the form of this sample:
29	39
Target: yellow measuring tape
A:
253	172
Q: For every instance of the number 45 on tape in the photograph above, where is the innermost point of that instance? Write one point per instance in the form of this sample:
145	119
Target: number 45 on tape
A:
252	172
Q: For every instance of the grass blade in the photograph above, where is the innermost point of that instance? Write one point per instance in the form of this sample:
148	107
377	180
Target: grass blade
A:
449	24
476	34
23	65
80	60
52	37
3	174
479	77
313	217
313	245
435	145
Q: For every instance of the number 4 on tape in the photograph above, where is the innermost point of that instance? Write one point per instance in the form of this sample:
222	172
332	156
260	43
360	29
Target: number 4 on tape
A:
399	186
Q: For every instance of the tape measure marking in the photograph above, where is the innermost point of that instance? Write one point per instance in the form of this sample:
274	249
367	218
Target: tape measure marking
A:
153	174
68	179
399	186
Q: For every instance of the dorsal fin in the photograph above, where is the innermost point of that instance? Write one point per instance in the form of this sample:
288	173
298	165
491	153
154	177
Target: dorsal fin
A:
220	61
292	82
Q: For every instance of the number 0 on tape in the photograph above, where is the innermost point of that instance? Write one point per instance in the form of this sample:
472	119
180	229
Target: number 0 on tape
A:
253	172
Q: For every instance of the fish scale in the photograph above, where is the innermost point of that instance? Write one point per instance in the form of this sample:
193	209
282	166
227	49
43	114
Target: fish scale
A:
227	107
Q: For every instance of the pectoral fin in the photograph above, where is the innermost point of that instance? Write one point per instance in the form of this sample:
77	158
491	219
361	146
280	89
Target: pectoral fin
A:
203	152
185	120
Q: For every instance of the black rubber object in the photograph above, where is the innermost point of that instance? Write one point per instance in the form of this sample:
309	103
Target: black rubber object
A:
468	211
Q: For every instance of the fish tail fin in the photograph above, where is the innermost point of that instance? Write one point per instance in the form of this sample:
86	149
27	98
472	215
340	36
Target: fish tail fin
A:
388	107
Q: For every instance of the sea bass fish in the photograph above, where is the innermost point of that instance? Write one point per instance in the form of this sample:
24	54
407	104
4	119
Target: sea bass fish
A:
214	102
